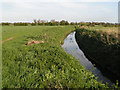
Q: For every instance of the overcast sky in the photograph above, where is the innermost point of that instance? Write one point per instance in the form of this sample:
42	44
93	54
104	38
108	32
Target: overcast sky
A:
70	10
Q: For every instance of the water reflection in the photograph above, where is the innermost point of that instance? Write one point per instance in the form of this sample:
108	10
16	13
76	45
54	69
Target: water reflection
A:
71	47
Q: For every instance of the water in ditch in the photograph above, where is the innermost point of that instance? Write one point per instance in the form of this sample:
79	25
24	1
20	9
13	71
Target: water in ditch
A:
70	46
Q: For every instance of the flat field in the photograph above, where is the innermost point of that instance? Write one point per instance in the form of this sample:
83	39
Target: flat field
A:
108	30
32	57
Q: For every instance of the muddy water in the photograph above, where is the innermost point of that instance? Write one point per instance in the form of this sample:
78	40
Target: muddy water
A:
70	46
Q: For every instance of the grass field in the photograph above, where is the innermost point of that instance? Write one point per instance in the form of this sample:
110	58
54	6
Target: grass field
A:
108	30
41	65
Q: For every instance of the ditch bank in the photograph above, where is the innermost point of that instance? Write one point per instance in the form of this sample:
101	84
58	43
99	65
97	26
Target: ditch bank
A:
100	52
70	46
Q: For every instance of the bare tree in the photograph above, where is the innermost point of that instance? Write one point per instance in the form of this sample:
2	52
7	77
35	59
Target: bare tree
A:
38	21
35	21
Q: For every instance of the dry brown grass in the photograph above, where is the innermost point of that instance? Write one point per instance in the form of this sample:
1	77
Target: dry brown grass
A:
34	42
109	30
8	39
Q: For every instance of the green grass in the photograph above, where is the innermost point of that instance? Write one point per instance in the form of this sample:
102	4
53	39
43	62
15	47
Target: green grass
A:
0	57
41	65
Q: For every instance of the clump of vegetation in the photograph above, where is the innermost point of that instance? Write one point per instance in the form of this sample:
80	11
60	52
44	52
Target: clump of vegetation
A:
20	24
33	24
43	65
102	49
62	22
5	24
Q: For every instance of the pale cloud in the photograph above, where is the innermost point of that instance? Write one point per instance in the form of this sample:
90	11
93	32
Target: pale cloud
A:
0	12
71	10
73	5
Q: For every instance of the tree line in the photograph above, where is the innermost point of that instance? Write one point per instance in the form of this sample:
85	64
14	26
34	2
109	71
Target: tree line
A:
62	22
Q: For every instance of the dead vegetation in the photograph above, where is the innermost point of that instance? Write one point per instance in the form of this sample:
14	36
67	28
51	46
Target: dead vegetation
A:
7	39
34	42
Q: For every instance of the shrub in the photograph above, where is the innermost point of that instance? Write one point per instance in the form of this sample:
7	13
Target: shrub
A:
5	24
20	24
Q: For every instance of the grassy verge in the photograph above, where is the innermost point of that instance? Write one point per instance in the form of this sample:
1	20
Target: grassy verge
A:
0	57
42	65
102	49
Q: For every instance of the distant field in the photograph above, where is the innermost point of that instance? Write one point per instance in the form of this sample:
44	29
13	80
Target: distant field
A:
108	30
43	63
